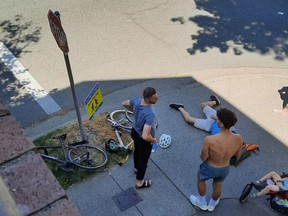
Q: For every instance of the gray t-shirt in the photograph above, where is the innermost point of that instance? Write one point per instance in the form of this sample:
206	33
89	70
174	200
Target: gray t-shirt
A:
143	115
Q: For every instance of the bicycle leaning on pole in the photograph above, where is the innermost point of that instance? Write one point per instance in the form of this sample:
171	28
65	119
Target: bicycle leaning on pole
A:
79	154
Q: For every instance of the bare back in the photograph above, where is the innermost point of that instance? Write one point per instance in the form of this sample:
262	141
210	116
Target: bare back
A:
218	149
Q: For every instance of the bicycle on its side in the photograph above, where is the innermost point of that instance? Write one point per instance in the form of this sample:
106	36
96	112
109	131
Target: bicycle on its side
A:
121	121
79	154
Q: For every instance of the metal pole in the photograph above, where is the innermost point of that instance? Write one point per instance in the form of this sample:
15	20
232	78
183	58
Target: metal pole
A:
74	94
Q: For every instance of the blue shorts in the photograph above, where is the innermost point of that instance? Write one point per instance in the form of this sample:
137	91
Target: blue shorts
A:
208	172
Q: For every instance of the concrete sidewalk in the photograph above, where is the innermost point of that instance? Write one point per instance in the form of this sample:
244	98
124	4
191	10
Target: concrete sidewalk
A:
251	95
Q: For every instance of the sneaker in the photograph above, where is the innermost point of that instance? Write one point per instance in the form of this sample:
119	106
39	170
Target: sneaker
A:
176	106
196	202
211	206
215	98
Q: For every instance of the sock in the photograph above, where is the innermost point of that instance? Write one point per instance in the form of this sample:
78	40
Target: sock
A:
202	199
213	202
254	195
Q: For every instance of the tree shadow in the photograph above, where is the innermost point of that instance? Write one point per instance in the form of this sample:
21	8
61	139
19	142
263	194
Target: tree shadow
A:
254	26
17	37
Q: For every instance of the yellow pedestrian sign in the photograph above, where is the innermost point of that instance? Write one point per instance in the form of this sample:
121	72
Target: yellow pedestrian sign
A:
93	101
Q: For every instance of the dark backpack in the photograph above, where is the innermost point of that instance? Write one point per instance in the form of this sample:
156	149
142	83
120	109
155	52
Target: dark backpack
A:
247	150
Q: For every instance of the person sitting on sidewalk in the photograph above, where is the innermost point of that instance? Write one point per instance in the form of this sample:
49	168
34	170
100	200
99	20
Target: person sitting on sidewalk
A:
210	123
277	184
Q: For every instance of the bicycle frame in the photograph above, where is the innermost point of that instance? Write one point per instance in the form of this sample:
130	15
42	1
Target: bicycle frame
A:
121	144
116	128
55	158
78	154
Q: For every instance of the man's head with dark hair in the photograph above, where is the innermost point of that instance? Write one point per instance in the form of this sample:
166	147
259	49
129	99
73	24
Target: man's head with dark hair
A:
148	92
227	117
150	95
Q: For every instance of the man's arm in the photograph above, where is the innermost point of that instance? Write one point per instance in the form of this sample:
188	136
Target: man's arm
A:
205	150
146	134
126	105
239	150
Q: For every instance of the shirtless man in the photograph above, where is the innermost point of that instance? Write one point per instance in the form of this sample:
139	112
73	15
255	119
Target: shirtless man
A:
218	148
216	153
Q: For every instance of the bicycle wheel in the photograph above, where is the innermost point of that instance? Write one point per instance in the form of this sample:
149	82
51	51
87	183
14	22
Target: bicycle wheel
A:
88	156
120	117
129	116
125	118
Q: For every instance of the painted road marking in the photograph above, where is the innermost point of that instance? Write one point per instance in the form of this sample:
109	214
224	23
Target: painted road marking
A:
29	83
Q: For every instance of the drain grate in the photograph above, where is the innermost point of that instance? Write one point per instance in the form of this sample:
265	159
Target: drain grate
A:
126	199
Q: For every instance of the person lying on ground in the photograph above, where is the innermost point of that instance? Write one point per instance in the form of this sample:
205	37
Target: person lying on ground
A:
210	123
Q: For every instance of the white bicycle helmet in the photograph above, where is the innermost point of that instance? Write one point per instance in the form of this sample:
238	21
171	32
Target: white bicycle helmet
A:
165	141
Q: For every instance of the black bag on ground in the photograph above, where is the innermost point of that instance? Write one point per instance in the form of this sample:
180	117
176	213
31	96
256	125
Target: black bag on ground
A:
245	193
244	154
247	150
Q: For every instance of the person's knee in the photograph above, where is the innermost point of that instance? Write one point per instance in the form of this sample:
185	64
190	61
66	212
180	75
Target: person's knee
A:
202	105
188	119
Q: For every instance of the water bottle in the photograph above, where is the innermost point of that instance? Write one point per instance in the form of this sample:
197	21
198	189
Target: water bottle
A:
154	146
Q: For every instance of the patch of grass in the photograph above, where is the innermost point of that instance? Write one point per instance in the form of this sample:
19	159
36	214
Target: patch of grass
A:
97	131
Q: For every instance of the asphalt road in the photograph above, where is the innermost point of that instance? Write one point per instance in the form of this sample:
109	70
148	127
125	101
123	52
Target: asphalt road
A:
122	43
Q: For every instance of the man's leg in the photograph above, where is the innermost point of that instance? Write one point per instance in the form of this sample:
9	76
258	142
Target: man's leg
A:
200	201
190	119
187	117
207	103
214	101
217	188
266	190
214	201
201	186
273	175
136	153
145	152
180	107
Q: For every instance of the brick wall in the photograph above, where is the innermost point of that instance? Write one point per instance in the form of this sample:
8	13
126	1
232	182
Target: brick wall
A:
26	177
